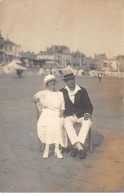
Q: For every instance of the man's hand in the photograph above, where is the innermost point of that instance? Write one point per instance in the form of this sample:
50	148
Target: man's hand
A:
87	116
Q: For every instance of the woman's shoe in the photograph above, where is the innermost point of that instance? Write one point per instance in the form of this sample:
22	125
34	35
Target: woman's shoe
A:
46	154
58	154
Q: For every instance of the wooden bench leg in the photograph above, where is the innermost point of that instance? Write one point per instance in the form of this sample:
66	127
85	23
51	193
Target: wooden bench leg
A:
90	141
39	141
40	149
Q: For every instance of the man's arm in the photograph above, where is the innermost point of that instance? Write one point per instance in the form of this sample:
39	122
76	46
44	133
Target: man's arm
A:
88	107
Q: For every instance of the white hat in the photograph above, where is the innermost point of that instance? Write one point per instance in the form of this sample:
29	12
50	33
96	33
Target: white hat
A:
49	78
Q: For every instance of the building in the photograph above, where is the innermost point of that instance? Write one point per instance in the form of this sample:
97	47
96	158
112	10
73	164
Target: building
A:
1	49
28	55
29	59
8	51
11	51
110	65
120	60
99	60
57	55
63	58
59	49
77	59
45	55
89	63
80	60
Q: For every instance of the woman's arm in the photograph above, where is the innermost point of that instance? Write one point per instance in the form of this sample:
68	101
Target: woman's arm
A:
62	109
47	104
35	100
61	113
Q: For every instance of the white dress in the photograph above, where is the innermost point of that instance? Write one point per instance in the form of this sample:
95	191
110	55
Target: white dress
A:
50	126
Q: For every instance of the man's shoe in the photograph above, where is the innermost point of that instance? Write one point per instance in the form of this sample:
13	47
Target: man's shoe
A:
63	150
67	149
82	154
74	152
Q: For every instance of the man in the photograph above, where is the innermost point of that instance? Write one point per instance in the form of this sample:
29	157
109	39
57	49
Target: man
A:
99	76
78	109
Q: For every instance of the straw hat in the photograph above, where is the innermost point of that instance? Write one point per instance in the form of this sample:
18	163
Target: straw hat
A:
68	76
49	78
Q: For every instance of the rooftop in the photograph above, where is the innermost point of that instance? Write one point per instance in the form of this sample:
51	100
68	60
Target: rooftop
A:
10	42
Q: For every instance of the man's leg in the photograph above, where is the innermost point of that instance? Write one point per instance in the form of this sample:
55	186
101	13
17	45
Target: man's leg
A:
86	124
69	126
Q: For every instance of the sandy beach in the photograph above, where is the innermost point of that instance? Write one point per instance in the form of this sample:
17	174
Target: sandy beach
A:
22	168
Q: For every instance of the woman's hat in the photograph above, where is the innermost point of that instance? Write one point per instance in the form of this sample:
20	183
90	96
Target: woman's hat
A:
49	78
68	76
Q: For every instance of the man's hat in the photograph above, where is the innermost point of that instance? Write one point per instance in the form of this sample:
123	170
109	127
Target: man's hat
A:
68	76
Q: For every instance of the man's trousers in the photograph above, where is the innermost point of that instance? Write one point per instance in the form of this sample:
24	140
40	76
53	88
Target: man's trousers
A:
69	126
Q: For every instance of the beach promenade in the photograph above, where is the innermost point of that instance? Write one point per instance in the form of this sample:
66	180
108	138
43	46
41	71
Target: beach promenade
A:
22	168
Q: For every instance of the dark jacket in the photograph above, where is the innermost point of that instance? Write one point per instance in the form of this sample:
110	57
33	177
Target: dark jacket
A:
82	103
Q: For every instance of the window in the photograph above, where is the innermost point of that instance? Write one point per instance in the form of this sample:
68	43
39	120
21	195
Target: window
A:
10	48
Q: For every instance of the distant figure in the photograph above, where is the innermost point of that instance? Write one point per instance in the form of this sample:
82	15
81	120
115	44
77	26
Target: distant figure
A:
60	72
99	76
19	72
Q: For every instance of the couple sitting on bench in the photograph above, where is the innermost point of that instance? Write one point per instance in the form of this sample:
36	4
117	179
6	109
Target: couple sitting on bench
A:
60	111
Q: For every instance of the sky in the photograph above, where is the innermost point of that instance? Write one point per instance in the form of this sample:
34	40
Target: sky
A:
91	26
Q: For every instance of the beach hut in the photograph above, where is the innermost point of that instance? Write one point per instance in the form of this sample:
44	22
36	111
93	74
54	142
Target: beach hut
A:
69	68
55	71
47	71
93	73
80	72
41	71
13	66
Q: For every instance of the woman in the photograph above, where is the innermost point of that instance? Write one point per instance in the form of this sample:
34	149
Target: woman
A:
50	124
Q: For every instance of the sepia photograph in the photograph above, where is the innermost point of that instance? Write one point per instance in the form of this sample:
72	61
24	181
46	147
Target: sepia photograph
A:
61	96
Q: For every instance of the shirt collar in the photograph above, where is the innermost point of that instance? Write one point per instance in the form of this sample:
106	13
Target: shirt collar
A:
77	88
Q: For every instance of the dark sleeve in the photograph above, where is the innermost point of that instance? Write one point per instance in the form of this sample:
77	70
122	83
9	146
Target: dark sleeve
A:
61	90
88	108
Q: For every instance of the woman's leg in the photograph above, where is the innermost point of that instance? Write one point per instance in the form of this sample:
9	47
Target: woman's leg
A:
47	147
46	151
56	147
57	151
78	145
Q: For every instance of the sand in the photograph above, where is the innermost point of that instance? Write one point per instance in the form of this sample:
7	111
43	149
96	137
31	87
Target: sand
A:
22	168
